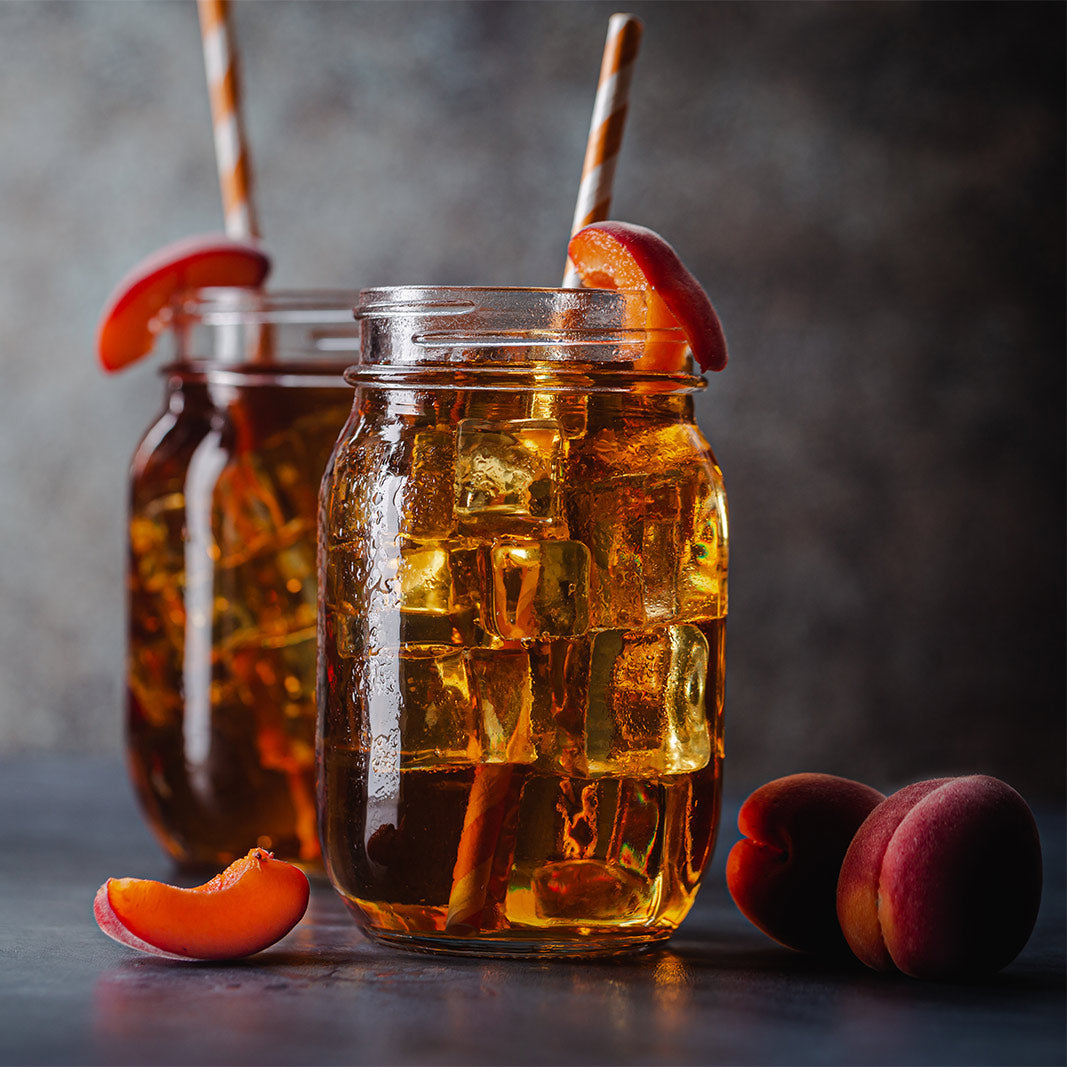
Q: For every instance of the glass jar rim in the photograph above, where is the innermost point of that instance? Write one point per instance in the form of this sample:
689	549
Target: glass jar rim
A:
505	334
236	335
391	301
224	305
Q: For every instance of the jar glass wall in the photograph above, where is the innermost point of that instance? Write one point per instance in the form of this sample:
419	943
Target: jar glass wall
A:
523	551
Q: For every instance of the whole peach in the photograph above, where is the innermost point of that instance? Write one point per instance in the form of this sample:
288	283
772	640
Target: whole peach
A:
943	879
783	874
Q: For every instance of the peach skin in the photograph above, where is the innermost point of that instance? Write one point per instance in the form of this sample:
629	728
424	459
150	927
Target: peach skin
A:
942	880
131	319
783	874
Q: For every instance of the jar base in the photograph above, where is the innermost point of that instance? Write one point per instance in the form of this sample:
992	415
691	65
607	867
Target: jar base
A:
522	946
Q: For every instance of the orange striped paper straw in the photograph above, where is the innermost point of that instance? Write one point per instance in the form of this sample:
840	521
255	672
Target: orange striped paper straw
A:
231	152
605	130
471	904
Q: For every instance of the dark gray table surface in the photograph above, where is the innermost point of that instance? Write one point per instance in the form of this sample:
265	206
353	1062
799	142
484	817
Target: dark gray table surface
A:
721	993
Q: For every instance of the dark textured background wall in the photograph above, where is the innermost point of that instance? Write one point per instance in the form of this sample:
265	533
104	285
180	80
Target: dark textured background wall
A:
872	193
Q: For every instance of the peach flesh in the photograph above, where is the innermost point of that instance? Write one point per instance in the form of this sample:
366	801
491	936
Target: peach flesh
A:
621	255
255	902
783	874
943	880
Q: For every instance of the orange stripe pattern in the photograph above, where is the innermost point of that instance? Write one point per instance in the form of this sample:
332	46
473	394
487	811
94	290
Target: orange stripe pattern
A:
605	131
231	154
490	801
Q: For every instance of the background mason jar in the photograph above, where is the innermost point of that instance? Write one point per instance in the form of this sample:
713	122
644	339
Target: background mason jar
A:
221	585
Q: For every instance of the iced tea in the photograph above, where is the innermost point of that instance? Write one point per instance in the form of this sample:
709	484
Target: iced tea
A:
523	598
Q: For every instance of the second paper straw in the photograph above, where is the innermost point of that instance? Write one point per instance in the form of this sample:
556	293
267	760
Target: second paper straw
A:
606	128
492	797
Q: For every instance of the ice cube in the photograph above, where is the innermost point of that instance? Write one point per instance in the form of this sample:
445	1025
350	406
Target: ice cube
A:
570	410
430	610
424	578
404	595
428	497
504	697
438	713
587	850
602	518
591	890
560	818
661	507
508	470
702	587
468	579
385	488
250	508
646	701
649	501
559	671
538	589
636	839
631	524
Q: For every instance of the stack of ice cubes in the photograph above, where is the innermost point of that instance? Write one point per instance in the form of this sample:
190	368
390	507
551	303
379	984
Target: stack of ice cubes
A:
529	596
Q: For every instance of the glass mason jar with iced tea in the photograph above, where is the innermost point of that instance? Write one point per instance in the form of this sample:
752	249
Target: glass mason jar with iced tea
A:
523	552
222	573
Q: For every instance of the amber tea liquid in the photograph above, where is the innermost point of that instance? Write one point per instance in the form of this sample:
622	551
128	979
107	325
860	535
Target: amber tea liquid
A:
222	591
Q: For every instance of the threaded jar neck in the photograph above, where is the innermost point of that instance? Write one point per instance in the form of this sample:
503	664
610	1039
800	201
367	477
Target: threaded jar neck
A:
548	340
282	337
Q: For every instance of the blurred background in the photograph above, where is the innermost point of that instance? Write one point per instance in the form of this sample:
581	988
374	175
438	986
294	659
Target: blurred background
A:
873	195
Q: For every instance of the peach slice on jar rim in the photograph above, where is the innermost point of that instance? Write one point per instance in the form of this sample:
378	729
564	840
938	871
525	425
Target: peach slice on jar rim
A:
246	908
132	318
621	255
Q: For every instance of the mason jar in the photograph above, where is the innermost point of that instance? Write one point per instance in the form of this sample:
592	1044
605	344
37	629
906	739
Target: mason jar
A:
220	723
523	553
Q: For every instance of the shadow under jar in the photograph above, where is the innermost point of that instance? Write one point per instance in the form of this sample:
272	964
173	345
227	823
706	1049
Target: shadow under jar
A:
523	552
222	571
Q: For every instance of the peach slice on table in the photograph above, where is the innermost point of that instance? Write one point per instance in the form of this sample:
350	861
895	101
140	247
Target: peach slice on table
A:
252	904
621	255
131	317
